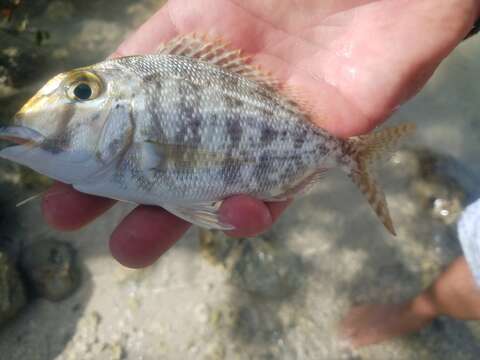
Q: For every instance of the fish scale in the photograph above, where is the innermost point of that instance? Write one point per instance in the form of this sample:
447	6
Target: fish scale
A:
184	128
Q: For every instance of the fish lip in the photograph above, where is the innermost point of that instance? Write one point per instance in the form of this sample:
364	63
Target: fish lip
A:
21	135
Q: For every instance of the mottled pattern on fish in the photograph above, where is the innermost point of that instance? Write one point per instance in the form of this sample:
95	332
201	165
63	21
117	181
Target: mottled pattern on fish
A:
183	129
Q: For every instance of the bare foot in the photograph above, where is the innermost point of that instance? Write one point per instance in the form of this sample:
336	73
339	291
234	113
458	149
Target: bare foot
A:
374	323
454	293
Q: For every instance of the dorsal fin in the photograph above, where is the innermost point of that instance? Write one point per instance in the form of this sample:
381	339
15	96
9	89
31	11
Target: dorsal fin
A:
218	52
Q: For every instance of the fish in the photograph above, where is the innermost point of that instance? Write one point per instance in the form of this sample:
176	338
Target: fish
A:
184	128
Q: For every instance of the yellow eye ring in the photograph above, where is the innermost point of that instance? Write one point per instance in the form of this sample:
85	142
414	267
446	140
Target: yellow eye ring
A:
83	86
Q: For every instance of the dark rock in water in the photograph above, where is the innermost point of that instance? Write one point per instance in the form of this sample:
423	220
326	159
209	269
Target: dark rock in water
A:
18	66
267	271
442	184
216	246
439	186
27	7
51	269
11	247
21	67
60	10
31	180
12	291
256	325
14	177
256	264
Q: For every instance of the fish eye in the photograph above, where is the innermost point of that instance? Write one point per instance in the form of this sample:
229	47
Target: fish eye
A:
82	91
83	86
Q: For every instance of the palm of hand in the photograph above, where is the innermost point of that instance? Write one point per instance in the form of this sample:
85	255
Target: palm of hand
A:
354	61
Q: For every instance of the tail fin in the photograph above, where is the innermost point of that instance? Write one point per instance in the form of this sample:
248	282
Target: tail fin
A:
364	150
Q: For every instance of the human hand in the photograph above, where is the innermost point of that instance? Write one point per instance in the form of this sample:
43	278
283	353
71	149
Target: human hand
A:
354	61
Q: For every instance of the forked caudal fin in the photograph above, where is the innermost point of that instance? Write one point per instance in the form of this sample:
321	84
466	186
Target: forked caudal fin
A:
364	150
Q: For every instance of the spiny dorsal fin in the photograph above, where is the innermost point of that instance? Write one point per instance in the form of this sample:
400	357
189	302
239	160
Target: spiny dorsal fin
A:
364	150
218	52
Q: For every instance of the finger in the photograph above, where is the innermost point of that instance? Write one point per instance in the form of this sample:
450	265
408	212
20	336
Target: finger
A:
144	235
249	216
66	209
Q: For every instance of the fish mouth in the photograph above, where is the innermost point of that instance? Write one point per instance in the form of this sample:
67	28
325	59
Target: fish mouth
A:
21	135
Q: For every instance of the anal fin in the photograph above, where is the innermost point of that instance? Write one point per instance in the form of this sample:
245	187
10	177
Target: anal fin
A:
203	214
301	187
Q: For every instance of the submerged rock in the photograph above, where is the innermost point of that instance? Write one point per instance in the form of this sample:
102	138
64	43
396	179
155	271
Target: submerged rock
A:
216	246
10	246
436	188
441	183
19	65
267	271
51	269
257	265
256	324
12	291
60	10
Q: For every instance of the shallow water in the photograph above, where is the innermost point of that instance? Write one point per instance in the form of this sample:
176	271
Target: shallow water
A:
278	297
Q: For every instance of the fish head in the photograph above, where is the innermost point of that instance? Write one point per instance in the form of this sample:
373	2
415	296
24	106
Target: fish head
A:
58	131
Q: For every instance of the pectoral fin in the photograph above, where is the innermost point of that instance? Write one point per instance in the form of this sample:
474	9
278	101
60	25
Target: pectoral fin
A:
204	214
116	134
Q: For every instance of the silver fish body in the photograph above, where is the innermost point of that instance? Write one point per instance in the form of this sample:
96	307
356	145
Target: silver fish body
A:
201	134
184	129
